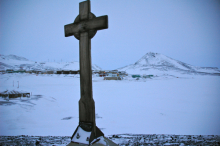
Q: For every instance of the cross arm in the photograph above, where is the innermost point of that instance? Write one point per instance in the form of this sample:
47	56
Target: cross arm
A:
97	23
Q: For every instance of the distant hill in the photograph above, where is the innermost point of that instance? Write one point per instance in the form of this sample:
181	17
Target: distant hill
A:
159	64
17	62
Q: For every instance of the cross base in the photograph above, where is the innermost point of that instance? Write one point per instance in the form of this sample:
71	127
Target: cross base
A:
85	133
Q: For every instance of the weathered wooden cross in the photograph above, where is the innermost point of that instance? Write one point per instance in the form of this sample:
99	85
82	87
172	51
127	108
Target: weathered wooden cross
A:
84	28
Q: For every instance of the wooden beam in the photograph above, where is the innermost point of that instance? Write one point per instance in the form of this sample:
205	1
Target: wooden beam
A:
84	10
97	23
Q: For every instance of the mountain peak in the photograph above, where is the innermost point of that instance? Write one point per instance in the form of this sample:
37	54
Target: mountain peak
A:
151	54
158	63
150	58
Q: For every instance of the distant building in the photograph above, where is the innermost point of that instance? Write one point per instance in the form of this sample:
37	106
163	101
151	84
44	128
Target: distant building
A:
147	76
37	71
2	71
9	71
68	72
122	73
112	75
95	71
29	71
14	94
112	78
102	73
19	71
49	72
135	76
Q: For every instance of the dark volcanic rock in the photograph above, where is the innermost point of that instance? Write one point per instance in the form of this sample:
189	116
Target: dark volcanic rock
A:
120	139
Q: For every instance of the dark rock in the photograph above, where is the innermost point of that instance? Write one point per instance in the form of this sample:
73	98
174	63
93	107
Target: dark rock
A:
37	142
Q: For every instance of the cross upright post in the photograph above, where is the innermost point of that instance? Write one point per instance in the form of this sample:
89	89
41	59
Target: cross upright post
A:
84	28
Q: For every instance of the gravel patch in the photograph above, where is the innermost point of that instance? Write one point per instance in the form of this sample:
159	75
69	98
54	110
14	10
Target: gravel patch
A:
120	139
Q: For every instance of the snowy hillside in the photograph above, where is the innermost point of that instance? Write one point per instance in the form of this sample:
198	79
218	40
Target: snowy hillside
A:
17	62
159	64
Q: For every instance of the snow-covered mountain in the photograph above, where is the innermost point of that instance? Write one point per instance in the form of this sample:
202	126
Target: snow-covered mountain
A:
17	62
159	64
150	63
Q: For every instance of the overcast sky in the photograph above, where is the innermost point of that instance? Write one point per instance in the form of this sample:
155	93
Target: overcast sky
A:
186	30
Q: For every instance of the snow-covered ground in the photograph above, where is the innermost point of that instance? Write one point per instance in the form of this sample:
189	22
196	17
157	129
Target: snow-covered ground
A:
181	105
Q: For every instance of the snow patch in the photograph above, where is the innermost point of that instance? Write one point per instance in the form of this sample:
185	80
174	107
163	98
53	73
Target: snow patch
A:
81	136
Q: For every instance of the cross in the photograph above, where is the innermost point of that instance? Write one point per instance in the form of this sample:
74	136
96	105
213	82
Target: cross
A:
84	29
